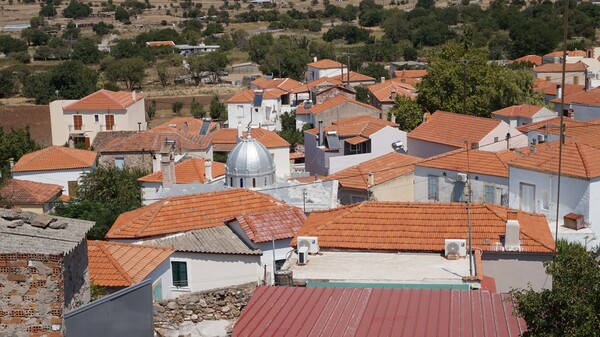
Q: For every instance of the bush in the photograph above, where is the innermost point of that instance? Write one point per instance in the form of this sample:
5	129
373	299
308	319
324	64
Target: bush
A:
176	107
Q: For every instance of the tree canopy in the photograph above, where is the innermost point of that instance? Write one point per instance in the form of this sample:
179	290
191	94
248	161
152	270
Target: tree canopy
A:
68	80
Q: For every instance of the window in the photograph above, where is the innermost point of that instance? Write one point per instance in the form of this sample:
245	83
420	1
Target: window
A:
545	200
458	192
357	198
576	80
548	78
157	290
240	111
527	196
489	194
495	139
241	182
432	188
110	122
120	162
279	264
77	122
180	277
96	118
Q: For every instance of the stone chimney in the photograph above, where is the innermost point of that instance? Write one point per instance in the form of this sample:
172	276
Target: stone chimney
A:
371	179
426	117
185	128
11	162
393	95
208	170
133	95
167	163
558	91
320	133
512	236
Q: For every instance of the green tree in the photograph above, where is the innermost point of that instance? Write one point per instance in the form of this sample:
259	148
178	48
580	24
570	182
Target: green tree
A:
375	70
362	95
48	11
350	33
572	307
71	79
14	144
197	109
289	131
34	36
210	65
129	71
77	10
37	21
163	74
86	51
102	196
217	109
286	59
259	46
407	113
7	83
177	106
8	44
121	14
101	28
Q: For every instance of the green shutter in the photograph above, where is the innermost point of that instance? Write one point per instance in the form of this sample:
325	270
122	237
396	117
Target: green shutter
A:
179	270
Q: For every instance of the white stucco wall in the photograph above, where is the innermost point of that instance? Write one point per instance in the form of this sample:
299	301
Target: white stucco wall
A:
582	112
281	157
489	143
210	271
517	270
397	189
446	184
150	192
424	149
58	177
313	73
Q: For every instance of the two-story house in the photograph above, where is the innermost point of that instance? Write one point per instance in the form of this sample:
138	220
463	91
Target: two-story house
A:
258	108
104	110
518	115
333	109
324	68
582	105
575	72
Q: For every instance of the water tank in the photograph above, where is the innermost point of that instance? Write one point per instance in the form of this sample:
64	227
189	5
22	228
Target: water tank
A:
284	278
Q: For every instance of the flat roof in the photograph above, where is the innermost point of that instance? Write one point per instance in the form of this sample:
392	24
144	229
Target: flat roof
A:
375	267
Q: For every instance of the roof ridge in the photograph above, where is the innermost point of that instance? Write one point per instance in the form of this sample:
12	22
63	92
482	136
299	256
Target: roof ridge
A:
105	93
583	159
114	262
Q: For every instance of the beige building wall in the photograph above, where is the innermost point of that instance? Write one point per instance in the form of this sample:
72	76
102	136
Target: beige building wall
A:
571	77
397	189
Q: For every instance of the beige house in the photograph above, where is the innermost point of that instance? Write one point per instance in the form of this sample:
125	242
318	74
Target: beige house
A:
575	73
104	110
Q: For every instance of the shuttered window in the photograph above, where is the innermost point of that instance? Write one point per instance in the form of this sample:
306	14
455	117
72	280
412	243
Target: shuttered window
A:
77	122
433	188
110	122
488	194
180	277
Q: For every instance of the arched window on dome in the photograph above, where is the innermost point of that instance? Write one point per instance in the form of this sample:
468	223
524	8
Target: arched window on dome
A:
253	182
241	182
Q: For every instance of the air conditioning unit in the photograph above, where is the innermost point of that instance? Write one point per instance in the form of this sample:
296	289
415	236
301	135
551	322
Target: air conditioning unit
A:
310	242
302	255
541	138
461	177
455	246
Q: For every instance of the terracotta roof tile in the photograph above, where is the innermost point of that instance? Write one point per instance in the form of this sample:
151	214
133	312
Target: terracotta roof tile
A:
550	88
159	43
533	59
524	110
18	192
274	224
286	84
113	264
177	124
574	129
363	126
453	129
364	119
410	73
383	91
185	213
414	226
384	168
187	172
480	162
326	64
55	158
590	98
247	96
224	140
323	81
578	160
153	140
557	67
105	99
572	53
354	77
330	103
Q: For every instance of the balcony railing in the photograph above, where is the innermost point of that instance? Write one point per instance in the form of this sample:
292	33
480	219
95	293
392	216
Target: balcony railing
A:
103	127
73	128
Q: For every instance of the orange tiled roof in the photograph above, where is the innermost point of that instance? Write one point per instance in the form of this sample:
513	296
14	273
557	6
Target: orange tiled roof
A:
19	192
224	140
572	53
361	128
189	212
330	103
557	67
410	73
524	110
247	96
114	264
275	224
579	160
590	98
453	129
415	226
55	158
104	100
384	168
364	119
153	140
550	88
354	77
533	59
551	125
383	91
159	43
286	84
188	172
480	162
326	64
177	124
323	81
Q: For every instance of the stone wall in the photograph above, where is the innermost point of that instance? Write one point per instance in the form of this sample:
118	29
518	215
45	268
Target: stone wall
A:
226	303
76	277
141	160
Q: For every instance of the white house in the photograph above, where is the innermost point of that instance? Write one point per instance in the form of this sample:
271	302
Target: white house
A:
57	165
324	68
333	109
533	186
518	115
582	105
258	108
348	142
447	131
445	177
116	265
103	110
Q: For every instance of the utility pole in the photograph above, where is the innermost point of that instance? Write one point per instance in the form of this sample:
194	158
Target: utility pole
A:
464	62
470	243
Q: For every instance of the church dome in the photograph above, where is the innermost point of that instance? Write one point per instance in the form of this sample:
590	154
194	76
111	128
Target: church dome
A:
249	164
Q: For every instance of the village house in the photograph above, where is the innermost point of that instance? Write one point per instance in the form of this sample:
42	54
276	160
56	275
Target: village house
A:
383	95
549	130
551	90
575	73
448	176
114	266
534	60
267	82
412	77
351	141
224	140
356	245
556	57
304	92
582	105
380	312
447	131
385	178
333	109
44	274
354	79
144	149
518	115
258	108
104	110
189	125
30	196
58	165
324	68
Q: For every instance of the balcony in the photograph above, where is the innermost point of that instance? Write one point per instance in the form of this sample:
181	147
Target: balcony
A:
103	127
77	128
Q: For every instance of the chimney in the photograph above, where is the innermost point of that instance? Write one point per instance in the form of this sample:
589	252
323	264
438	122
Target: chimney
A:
11	162
393	95
208	170
315	59
185	127
320	133
240	132
133	95
167	164
71	143
382	79
371	179
558	91
512	235
426	117
508	140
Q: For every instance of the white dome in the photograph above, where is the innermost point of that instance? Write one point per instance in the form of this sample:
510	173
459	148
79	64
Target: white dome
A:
249	164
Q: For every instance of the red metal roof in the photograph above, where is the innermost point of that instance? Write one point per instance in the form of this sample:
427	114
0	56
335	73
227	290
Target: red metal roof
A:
347	312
